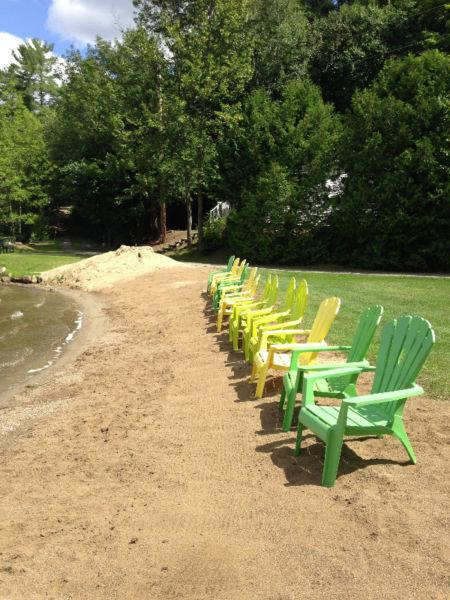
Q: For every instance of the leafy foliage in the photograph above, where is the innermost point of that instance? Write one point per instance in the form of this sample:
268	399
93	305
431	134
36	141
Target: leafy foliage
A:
105	137
34	73
395	210
24	166
285	156
214	234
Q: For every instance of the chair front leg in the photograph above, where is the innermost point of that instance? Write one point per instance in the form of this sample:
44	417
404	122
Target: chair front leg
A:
332	458
254	371
235	337
289	409
220	317
262	376
399	431
298	439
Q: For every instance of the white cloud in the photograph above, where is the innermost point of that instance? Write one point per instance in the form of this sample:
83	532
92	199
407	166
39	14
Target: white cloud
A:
8	43
81	21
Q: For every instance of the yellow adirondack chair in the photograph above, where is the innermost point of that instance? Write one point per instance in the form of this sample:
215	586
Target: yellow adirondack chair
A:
277	356
218	277
239	288
240	313
288	319
232	297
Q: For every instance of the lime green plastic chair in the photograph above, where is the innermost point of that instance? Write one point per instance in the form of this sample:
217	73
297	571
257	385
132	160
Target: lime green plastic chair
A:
282	320
226	270
241	312
244	294
230	276
342	387
233	282
404	346
277	312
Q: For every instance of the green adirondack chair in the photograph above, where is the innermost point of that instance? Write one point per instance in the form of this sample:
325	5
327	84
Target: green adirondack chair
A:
342	387
404	346
226	270
237	322
284	320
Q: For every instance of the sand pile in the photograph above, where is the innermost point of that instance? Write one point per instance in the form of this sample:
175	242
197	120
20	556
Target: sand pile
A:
101	272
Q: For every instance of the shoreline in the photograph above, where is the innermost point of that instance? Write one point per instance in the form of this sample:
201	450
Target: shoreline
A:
93	326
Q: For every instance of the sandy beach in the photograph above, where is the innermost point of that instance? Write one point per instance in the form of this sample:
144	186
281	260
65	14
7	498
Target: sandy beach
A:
143	468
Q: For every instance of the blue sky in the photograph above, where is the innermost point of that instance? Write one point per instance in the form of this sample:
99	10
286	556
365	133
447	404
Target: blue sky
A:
62	22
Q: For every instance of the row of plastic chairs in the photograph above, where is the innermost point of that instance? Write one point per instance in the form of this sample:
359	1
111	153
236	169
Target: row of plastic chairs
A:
273	338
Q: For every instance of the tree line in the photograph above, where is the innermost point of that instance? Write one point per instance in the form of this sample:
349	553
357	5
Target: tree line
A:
323	123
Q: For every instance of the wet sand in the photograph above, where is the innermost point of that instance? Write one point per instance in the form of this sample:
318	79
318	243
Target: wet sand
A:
145	469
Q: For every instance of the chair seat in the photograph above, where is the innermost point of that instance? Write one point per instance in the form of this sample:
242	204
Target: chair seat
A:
366	416
280	360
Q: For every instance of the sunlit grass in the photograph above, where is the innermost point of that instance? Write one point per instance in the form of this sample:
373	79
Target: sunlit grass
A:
399	295
28	263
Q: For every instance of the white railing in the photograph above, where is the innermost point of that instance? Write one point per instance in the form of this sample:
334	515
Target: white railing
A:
222	209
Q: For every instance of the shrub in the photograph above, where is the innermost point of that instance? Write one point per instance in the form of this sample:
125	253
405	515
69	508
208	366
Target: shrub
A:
214	234
395	210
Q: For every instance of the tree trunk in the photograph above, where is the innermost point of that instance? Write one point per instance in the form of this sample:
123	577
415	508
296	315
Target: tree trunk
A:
162	222
189	220
200	220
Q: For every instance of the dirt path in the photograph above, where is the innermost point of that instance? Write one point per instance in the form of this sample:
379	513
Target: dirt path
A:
157	476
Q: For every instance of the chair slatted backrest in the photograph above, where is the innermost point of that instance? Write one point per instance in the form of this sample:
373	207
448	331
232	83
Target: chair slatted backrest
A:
255	284
300	301
364	333
242	270
251	278
235	266
363	336
272	299
230	262
243	273
267	290
325	317
290	296
404	346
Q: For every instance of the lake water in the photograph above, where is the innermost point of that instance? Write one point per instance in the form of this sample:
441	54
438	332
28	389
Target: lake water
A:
35	327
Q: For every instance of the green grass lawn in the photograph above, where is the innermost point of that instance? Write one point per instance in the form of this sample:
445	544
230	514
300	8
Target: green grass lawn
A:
400	295
30	263
47	246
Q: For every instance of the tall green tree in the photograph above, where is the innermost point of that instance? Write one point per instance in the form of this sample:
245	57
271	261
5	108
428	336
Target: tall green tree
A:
395	210
34	73
24	166
284	153
208	66
353	44
105	137
284	42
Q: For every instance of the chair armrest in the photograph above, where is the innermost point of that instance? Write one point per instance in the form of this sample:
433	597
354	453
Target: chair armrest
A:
259	320
265	335
287	332
330	373
329	366
366	367
285	325
297	347
383	397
